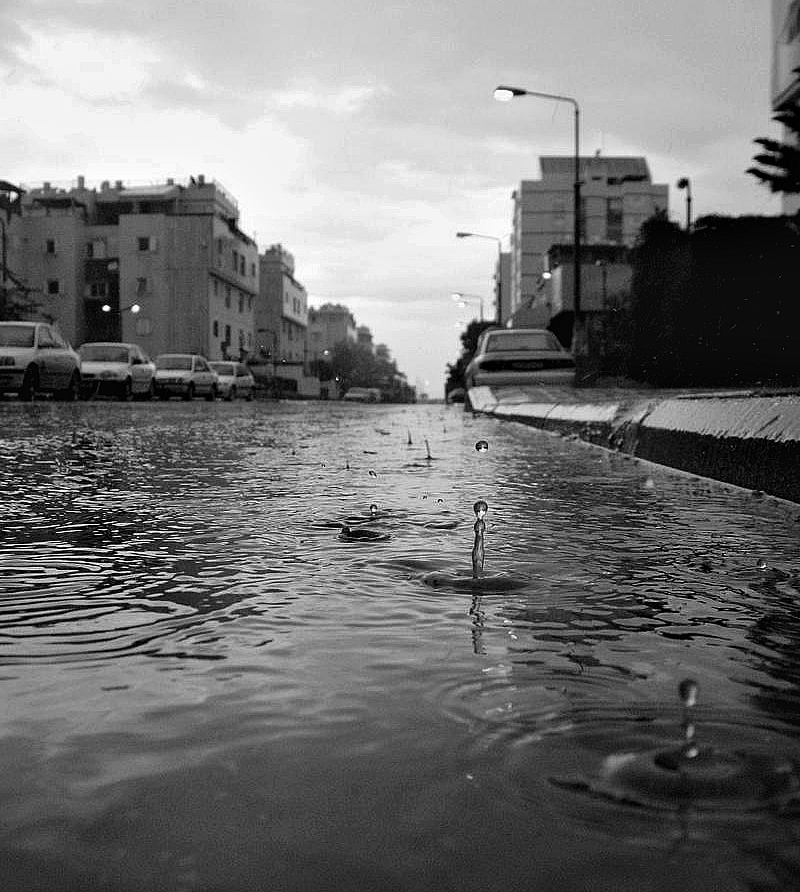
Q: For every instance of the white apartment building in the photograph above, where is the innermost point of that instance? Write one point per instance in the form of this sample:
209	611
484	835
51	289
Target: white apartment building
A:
163	265
785	80
617	196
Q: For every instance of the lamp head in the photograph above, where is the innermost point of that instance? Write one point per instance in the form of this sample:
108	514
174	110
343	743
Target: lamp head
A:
463	234
506	94
683	183
135	308
106	308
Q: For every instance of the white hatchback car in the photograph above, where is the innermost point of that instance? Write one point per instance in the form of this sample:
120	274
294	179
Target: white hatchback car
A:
112	368
35	358
234	379
186	375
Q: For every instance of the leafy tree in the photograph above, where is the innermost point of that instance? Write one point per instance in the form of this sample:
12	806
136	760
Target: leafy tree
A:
469	344
780	161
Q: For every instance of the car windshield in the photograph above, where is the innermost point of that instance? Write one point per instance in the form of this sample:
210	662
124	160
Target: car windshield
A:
104	353
523	340
223	368
180	363
16	335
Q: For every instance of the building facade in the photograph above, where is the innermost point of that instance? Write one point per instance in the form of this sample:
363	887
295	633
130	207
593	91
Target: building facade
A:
163	265
617	196
282	312
329	325
785	80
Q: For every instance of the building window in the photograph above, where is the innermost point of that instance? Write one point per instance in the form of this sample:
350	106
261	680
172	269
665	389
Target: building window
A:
228	296
52	286
235	260
227	334
614	219
241	265
98	289
215	328
250	302
253	270
143	326
50	246
241	303
141	285
143	242
216	286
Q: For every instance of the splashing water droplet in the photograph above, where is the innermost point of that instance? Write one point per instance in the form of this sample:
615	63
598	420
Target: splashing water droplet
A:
480	508
482	446
373	509
373	474
687	691
762	564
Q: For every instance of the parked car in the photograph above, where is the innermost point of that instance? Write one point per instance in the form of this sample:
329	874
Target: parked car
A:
111	368
234	380
186	375
363	395
35	358
519	356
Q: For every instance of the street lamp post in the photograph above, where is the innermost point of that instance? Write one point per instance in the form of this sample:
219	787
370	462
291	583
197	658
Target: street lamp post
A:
685	183
493	238
462	300
506	94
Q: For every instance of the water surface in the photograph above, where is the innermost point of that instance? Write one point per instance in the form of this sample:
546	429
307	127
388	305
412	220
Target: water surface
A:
205	688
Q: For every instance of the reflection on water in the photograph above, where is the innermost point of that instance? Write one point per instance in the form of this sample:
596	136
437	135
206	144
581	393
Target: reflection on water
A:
232	654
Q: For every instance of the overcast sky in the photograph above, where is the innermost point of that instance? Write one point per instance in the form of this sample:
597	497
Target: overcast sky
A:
362	136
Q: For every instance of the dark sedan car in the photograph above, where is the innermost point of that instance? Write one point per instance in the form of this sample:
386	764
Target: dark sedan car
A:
519	356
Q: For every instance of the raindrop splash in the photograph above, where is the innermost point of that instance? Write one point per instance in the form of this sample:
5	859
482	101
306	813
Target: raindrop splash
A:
428	455
480	508
373	474
373	510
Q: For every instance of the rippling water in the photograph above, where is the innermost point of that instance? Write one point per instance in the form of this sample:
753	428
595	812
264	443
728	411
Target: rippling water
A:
205	688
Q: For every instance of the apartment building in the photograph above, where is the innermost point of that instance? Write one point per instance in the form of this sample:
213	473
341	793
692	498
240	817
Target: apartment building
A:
617	196
329	325
785	80
282	314
163	265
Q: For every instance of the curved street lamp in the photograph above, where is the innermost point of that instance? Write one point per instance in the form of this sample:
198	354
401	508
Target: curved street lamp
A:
492	238
506	94
463	299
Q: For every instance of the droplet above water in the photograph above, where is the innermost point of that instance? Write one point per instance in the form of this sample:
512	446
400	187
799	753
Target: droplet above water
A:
480	508
762	564
482	446
373	474
687	690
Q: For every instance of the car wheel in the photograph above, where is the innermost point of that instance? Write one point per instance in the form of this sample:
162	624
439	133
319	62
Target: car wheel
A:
163	395
212	394
72	390
30	384
232	394
150	392
126	391
189	395
249	395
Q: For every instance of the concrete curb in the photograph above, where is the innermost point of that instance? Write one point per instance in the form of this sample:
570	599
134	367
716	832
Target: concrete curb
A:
746	439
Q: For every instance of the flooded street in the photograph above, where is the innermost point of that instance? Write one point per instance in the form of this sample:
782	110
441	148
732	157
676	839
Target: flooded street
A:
205	688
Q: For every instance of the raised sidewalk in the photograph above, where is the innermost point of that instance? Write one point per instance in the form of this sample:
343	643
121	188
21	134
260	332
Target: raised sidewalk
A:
748	438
